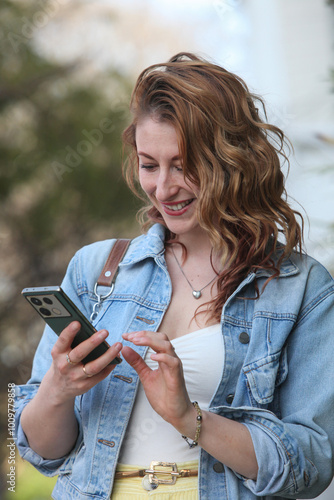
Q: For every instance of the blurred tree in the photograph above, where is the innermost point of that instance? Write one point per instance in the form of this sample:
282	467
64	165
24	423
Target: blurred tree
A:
60	172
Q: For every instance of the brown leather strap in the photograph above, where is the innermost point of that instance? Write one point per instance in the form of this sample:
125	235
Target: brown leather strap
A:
109	271
132	473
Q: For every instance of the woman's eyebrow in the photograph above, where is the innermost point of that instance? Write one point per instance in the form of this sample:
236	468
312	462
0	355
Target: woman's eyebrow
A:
141	153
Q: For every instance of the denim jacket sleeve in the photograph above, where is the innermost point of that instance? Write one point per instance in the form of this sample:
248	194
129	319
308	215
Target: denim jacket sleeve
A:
291	420
41	364
304	437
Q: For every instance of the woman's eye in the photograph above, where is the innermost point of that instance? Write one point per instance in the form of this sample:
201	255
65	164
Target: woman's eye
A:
148	167
178	168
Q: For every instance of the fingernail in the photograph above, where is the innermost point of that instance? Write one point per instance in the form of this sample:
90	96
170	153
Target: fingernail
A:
75	326
103	334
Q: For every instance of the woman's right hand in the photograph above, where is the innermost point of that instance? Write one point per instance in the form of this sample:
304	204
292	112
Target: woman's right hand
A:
68	376
48	420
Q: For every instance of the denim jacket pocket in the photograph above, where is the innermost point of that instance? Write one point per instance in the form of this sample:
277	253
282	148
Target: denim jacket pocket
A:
264	375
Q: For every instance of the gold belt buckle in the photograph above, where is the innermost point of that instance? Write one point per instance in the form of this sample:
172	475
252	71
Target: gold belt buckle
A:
153	472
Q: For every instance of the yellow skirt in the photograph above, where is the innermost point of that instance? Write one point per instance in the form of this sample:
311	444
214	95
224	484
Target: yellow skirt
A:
185	488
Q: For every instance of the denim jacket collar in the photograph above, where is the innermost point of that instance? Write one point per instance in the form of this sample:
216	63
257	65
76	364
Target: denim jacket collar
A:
153	246
150	245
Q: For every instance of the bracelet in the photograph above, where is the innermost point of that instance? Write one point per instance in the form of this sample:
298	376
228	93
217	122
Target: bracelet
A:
198	427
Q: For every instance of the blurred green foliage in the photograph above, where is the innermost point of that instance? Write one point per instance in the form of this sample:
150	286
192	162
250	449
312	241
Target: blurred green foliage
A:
31	485
51	140
61	185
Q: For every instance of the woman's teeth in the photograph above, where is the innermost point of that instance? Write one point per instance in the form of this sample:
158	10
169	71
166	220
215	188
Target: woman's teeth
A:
179	206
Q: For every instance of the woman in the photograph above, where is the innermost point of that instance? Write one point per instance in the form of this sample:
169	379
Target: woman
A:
223	329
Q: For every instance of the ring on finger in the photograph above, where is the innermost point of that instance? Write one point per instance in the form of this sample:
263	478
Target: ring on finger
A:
68	359
84	370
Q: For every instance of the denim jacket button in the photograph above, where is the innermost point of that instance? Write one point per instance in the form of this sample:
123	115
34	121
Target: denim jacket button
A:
229	399
218	467
244	338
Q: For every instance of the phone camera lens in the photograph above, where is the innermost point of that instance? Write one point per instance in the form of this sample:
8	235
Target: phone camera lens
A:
36	301
47	300
45	311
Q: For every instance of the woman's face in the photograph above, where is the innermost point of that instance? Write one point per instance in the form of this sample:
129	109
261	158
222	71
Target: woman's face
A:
161	175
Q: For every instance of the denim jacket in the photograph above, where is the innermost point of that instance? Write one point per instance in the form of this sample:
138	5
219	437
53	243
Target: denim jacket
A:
277	379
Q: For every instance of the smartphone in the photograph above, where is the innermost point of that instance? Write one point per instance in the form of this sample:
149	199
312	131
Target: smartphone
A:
58	311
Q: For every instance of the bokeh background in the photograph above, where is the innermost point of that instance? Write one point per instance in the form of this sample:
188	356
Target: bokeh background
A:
66	73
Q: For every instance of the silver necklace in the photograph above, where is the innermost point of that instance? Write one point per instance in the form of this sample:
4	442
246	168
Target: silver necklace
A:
196	293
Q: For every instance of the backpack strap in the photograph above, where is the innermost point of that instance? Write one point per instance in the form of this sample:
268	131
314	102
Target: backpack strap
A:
108	274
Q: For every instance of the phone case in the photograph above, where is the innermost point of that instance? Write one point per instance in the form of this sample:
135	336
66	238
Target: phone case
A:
58	311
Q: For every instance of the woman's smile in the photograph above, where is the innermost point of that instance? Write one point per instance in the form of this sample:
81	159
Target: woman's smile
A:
177	208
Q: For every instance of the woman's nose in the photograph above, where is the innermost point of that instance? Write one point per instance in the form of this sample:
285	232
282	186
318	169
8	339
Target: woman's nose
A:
166	186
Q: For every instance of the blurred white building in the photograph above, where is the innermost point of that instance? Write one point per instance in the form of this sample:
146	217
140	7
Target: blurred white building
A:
288	57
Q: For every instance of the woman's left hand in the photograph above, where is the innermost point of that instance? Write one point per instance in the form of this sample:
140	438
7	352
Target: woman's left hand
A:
225	439
165	386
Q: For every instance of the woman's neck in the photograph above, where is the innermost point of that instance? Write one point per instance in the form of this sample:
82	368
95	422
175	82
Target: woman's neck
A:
196	243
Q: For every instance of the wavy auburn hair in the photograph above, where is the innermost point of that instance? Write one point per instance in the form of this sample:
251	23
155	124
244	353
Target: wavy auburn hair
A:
231	154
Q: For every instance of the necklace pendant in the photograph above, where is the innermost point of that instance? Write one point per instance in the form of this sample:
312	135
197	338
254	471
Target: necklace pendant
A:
197	294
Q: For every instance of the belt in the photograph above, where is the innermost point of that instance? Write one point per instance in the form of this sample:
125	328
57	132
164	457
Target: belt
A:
157	474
